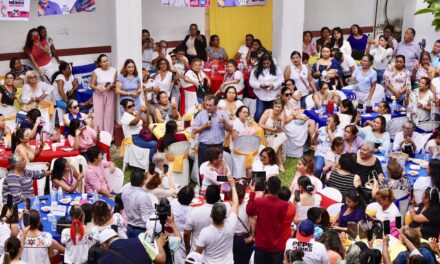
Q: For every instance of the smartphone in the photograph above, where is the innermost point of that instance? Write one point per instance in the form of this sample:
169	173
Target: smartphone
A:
115	228
36	39
151	168
297	196
377	145
259	178
386	227
165	168
28	204
370	234
209	117
9	201
173	100
198	32
107	84
398	222
80	168
26	219
222	178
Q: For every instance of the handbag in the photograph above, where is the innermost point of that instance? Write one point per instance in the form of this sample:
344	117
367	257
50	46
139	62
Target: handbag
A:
202	91
146	134
276	140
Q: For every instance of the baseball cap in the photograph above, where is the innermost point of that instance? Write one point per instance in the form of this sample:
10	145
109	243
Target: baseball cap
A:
194	258
306	230
106	234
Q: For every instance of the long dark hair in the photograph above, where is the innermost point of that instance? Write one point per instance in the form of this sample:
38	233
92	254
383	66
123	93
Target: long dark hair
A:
331	241
434	172
16	138
350	109
63	66
58	168
29	40
12	249
433	196
339	42
259	69
74	125
168	138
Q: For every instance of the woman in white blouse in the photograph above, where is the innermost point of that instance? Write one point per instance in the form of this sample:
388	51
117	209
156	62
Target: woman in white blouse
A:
418	101
230	103
66	85
241	125
266	80
382	54
163	79
233	77
192	79
339	42
301	76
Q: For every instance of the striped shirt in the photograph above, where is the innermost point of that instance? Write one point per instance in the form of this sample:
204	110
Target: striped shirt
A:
216	133
21	186
342	182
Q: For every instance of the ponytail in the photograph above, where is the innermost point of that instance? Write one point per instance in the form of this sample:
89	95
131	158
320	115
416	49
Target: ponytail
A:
7	258
77	227
310	188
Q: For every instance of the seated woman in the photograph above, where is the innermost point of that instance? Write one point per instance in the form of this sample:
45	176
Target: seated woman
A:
432	146
230	103
18	181
296	95
21	146
66	85
34	122
38	246
352	141
366	165
4	130
397	80
347	113
66	177
332	157
82	137
324	95
161	184
96	181
8	90
433	180
423	68
385	208
74	113
342	178
103	219
418	101
19	69
308	47
215	52
272	121
77	239
358	42
377	135
396	180
241	125
352	211
233	77
308	199
171	136
132	122
215	166
305	167
267	163
426	216
165	110
35	93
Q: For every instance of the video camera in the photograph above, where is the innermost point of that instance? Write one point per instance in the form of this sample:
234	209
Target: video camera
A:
422	44
163	210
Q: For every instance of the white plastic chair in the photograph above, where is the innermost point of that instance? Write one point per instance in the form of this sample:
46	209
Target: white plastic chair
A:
341	94
105	138
75	162
3	172
243	144
115	180
332	193
195	168
136	157
378	95
41	183
309	101
9	112
179	149
334	209
401	200
395	125
428	126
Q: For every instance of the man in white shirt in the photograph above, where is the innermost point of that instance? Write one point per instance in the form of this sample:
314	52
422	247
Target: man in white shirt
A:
314	252
137	205
200	218
215	241
408	138
244	49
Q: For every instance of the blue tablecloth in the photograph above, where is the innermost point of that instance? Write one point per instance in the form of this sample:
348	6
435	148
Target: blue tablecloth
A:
47	202
412	179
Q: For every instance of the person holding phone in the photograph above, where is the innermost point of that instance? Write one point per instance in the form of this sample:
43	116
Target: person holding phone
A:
267	163
81	137
194	44
129	84
22	147
386	209
426	216
161	183
307	199
214	167
377	134
95	174
103	83
165	110
66	177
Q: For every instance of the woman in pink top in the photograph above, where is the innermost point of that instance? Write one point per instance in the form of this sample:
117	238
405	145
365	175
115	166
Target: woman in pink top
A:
308	46
95	173
305	167
82	137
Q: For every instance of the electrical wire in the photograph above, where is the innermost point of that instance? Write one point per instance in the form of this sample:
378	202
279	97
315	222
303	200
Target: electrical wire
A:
386	13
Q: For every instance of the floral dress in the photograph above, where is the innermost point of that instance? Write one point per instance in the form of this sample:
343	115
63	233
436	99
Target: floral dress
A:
415	113
76	253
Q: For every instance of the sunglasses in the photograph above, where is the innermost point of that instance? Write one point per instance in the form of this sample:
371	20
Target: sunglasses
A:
287	94
75	106
130	106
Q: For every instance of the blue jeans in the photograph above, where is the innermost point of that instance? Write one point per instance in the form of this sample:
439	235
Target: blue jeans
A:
380	74
261	107
140	142
319	166
134	232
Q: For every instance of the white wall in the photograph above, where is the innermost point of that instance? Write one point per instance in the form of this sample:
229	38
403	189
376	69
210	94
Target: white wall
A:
170	23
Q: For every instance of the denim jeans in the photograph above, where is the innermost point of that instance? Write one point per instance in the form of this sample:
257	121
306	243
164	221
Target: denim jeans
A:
242	251
261	107
140	142
319	166
133	232
380	74
264	257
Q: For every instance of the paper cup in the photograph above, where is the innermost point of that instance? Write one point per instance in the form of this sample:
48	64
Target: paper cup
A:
84	196
54	147
62	141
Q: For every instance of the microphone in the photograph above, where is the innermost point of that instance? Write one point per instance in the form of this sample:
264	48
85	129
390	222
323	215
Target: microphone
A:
209	116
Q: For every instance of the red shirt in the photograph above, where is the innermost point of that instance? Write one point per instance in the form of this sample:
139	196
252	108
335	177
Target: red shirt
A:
287	221
41	57
177	138
270	211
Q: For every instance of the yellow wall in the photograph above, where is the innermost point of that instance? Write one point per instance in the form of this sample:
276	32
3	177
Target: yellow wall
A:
233	23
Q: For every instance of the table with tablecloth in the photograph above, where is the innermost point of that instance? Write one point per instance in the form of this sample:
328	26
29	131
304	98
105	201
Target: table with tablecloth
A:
421	172
45	200
45	156
218	76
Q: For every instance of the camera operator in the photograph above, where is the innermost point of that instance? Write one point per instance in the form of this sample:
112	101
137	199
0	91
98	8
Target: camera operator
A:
215	241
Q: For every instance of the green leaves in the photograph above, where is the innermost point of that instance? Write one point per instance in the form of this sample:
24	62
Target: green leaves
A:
434	9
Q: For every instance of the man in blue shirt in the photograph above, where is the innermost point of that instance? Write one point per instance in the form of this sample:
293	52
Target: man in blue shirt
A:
435	54
48	8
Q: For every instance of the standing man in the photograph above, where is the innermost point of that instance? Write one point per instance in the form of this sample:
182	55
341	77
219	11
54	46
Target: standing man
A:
409	48
435	54
211	125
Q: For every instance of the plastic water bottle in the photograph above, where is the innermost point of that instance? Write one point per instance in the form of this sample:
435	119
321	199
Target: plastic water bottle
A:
425	154
53	196
53	222
38	140
36	204
393	105
60	193
197	190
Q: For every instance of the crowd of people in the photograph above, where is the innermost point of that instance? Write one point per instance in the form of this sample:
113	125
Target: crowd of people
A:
232	215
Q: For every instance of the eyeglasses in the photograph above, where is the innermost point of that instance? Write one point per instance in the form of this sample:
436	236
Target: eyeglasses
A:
130	106
75	106
287	94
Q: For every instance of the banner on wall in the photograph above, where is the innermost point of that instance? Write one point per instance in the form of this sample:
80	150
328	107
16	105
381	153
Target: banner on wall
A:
185	3
14	10
62	7
229	3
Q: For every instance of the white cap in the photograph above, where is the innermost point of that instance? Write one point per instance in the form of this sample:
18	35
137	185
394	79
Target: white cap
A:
106	234
194	258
